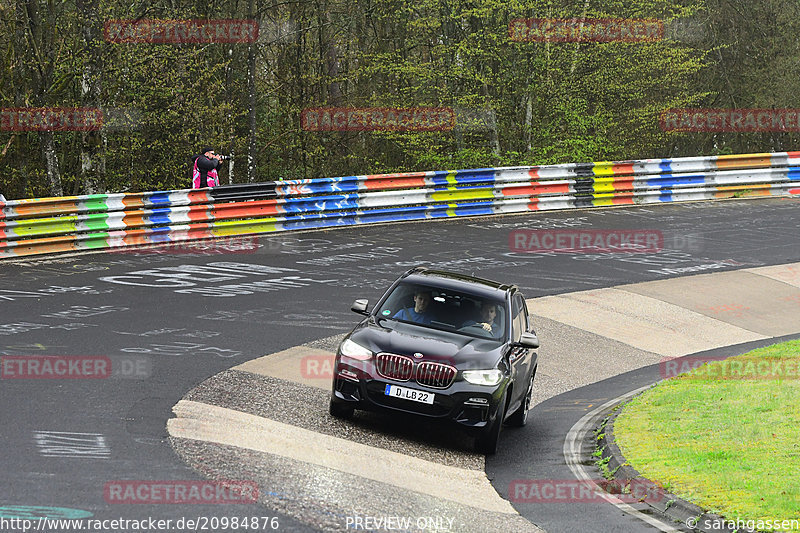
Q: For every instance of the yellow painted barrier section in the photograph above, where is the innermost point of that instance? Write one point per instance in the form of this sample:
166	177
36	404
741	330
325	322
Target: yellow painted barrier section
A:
462	194
603	168
242	227
44	226
604	185
606	200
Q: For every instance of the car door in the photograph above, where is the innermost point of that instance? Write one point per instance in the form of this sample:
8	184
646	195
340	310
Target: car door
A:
519	356
532	355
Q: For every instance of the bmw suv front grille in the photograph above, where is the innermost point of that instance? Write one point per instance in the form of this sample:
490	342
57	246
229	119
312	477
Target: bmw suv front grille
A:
436	375
427	373
393	366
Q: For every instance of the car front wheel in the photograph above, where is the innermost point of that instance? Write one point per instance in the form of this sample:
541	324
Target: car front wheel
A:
520	417
487	441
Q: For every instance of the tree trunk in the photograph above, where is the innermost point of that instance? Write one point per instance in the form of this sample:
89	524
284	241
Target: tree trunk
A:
251	103
40	55
528	119
92	142
331	59
51	162
19	79
494	138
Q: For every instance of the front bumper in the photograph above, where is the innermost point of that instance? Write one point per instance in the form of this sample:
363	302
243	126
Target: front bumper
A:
468	405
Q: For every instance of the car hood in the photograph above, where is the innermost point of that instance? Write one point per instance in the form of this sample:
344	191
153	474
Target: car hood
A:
434	345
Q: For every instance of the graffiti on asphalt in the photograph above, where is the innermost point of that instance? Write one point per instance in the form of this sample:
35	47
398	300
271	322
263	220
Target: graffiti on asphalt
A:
82	311
200	279
71	444
339	322
8	295
183	348
174	332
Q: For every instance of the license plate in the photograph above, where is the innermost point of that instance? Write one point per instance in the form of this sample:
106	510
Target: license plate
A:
409	394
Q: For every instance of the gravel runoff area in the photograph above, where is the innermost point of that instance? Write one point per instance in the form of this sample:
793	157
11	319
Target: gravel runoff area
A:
307	407
323	498
327	498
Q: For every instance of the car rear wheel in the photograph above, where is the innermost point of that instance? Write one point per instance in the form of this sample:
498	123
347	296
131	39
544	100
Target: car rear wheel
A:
487	441
338	410
520	417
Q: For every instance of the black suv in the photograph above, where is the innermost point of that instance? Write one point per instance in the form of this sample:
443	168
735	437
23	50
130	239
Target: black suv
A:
442	345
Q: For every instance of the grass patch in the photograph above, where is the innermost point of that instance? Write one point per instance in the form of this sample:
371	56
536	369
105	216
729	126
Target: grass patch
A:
725	436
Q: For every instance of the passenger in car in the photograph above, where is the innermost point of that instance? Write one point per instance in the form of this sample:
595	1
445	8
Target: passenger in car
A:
420	313
487	319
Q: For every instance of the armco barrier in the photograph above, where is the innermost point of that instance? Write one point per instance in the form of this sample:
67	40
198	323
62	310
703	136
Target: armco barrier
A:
51	225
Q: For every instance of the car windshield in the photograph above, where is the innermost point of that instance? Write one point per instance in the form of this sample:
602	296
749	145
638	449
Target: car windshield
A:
445	309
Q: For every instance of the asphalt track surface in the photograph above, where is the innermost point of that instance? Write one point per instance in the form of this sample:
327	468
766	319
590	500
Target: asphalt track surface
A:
168	319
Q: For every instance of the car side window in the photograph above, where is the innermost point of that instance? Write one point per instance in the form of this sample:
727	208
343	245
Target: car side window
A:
519	322
527	323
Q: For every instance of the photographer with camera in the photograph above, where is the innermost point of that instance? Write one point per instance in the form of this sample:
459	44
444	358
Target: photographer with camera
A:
204	171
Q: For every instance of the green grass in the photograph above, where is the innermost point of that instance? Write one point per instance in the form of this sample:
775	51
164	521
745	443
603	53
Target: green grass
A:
732	445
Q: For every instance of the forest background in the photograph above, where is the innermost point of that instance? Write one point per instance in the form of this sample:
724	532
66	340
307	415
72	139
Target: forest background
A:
516	102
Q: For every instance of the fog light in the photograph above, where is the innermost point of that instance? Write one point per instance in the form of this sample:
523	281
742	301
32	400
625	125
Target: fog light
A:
481	401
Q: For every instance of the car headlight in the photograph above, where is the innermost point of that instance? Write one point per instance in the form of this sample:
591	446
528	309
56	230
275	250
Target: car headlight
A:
355	351
483	377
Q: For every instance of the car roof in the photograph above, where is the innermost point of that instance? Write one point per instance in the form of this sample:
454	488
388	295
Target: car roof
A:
457	281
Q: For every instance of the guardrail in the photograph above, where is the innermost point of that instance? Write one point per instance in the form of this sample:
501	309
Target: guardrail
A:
53	225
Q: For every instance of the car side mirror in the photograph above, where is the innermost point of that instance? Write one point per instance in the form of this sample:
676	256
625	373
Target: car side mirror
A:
529	340
360	306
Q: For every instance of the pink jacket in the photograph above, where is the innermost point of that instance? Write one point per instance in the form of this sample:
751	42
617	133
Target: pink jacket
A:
212	179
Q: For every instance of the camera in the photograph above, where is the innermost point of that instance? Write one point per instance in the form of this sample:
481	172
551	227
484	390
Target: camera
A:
223	157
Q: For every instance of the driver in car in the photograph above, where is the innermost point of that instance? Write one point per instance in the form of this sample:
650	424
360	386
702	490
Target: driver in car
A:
420	313
487	320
